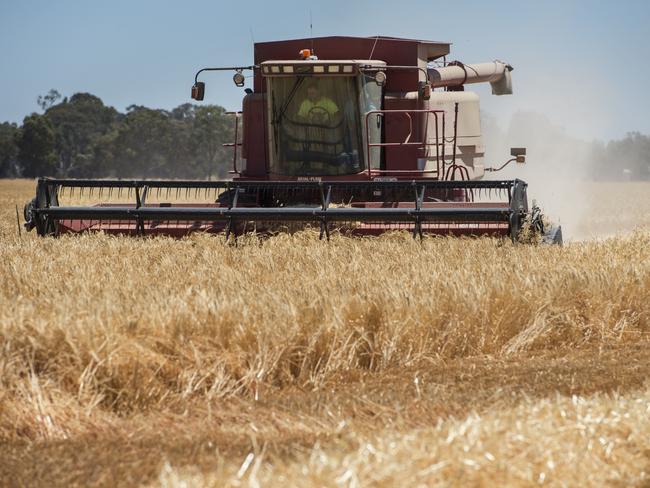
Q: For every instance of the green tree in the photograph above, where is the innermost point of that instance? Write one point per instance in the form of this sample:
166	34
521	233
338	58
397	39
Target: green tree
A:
9	167
82	137
35	142
78	124
143	144
49	99
632	155
212	128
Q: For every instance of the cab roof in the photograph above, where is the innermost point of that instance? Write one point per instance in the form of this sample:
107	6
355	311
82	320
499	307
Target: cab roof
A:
392	50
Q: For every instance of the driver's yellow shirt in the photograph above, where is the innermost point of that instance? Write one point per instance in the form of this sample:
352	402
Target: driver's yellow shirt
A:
323	103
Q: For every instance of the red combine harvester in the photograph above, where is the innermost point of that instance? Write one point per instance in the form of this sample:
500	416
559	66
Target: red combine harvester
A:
365	135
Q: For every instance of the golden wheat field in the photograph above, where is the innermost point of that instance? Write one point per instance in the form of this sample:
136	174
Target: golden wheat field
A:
360	362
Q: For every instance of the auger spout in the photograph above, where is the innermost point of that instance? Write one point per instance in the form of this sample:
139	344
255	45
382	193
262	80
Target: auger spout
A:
457	74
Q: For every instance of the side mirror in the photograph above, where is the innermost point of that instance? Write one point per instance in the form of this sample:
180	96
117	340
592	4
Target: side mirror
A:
198	90
519	153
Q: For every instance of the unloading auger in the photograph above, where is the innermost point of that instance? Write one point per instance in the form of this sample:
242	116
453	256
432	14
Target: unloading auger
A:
372	135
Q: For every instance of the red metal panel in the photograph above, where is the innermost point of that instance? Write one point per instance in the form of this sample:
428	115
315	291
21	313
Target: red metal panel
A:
402	52
254	137
396	129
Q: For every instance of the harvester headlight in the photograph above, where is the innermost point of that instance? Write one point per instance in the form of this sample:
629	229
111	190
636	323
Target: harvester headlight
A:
239	79
319	69
347	68
380	78
334	68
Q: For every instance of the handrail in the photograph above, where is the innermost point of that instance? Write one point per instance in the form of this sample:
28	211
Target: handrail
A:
235	144
407	141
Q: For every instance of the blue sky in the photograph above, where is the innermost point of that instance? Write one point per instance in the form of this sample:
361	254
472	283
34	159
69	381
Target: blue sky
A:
584	64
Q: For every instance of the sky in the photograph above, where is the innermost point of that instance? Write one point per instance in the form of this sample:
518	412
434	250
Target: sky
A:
583	64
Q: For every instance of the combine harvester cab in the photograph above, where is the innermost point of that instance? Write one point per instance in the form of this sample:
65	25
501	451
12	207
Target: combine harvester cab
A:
365	135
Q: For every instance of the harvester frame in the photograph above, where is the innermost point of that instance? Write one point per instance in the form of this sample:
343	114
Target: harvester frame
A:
376	149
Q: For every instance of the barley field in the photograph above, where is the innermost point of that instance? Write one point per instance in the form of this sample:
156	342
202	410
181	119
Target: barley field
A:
294	362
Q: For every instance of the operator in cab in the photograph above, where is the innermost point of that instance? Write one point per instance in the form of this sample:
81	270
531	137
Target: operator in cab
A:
319	139
317	108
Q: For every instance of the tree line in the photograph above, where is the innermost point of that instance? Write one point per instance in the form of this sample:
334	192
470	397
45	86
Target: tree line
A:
624	159
81	137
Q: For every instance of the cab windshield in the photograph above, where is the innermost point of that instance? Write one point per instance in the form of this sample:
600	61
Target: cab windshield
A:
316	125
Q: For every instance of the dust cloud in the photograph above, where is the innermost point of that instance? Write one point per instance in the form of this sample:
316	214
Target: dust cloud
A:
559	170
